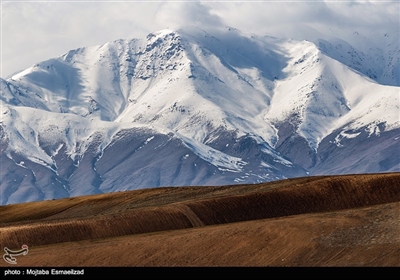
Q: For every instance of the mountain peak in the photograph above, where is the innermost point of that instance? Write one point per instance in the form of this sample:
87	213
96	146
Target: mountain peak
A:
161	33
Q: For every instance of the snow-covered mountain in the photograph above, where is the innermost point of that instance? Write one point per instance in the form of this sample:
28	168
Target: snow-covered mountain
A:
190	107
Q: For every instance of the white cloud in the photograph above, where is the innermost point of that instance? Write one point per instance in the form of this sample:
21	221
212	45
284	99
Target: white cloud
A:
181	14
35	31
260	17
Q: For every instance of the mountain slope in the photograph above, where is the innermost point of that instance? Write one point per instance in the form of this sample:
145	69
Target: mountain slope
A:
190	107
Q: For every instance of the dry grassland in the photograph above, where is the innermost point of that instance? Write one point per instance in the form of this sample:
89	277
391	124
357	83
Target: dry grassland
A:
349	220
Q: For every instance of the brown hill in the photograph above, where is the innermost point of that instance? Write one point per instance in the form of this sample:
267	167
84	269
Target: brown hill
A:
349	220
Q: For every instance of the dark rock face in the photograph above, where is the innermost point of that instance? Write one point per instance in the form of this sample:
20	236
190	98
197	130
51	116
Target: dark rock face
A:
294	147
361	154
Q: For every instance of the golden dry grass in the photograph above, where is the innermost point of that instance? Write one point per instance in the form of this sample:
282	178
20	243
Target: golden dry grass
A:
349	220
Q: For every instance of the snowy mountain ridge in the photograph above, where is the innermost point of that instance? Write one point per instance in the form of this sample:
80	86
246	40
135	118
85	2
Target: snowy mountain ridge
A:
190	107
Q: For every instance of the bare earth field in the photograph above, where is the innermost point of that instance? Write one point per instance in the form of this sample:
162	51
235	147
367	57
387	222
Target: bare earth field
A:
323	221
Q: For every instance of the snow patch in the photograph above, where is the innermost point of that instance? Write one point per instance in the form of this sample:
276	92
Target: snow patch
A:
219	159
345	134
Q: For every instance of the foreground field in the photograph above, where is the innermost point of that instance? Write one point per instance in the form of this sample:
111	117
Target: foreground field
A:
350	220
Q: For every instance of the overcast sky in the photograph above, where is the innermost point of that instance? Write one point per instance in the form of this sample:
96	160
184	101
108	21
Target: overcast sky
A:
32	31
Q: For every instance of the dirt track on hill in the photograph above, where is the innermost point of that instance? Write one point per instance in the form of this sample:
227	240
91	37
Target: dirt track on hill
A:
350	220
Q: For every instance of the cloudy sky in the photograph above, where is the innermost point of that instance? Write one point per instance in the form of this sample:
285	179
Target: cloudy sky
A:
32	31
